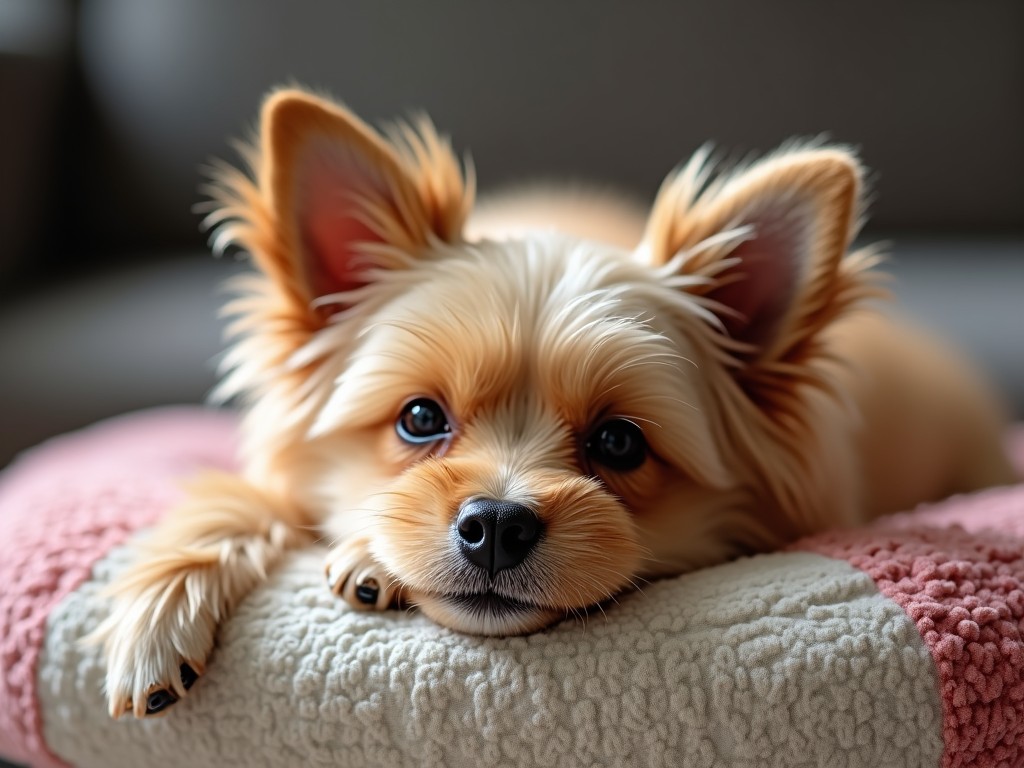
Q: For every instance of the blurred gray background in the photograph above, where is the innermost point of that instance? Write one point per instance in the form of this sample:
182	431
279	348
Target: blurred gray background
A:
108	296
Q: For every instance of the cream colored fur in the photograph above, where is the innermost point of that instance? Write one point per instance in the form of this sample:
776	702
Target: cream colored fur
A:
730	324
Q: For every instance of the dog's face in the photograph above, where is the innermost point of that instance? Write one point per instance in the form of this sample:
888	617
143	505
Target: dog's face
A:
523	409
524	428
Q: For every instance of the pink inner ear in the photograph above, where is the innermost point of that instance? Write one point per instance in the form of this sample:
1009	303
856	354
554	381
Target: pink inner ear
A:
764	284
327	183
332	264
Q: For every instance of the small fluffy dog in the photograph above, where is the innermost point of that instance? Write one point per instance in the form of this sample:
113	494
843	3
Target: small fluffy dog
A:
506	417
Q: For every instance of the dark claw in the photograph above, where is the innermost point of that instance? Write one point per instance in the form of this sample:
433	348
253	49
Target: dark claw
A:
367	592
160	700
188	677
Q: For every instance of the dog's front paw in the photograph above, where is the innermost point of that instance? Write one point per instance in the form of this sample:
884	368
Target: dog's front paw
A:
156	650
353	574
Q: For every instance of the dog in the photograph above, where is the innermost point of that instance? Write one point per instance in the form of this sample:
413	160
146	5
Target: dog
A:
506	416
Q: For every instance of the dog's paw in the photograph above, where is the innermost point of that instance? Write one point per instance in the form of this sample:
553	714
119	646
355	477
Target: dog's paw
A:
156	650
359	579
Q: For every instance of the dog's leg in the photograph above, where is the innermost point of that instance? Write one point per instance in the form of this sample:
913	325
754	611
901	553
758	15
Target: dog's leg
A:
204	557
361	581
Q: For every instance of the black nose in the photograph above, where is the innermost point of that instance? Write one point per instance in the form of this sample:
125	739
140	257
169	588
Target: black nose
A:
495	535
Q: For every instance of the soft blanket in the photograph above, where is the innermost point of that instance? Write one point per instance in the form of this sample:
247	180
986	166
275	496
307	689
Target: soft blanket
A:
897	645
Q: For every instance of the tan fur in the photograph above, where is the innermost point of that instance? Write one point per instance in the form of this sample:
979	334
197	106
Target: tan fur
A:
197	564
554	312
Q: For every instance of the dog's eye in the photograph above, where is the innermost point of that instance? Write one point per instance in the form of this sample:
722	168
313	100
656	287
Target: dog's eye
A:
422	421
618	444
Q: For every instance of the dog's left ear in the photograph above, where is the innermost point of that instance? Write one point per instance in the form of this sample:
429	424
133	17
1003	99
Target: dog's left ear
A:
346	200
764	247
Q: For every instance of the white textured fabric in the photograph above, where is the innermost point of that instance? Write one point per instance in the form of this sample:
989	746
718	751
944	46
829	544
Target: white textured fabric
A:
781	660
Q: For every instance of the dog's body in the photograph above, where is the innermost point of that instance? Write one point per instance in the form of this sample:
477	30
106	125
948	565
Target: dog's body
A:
508	417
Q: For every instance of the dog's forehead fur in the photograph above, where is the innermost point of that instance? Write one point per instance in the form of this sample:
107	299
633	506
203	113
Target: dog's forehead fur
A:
503	327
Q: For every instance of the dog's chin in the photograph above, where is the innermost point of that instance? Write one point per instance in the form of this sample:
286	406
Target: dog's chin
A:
487	613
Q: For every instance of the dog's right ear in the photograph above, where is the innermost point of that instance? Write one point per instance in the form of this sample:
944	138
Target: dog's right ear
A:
339	200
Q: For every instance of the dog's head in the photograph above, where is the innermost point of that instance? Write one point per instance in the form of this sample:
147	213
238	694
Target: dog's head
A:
522	428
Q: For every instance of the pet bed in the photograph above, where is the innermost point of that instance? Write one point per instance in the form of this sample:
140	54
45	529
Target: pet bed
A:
898	645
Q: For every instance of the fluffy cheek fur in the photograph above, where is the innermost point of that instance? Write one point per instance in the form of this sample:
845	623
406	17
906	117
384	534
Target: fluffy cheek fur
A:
340	477
686	526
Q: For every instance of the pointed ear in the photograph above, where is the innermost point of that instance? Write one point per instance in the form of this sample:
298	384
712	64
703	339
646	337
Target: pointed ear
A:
766	245
336	188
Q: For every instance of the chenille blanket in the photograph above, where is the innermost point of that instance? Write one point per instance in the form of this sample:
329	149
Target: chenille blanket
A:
896	645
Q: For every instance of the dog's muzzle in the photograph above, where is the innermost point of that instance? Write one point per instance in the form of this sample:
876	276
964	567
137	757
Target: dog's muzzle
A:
496	535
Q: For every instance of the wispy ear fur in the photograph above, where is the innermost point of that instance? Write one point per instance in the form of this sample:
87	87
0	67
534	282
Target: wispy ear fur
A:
401	192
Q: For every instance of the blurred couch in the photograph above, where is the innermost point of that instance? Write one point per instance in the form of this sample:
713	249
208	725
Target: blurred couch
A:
108	297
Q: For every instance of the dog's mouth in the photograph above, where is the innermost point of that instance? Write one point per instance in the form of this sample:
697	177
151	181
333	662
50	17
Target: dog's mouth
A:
488	603
487	613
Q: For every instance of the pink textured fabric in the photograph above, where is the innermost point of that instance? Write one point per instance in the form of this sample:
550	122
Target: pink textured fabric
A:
957	569
63	506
